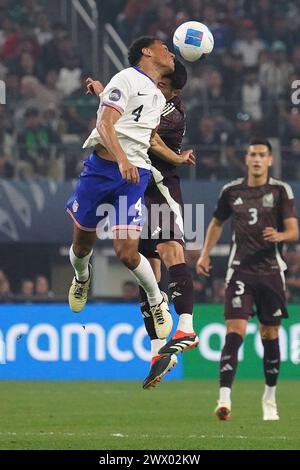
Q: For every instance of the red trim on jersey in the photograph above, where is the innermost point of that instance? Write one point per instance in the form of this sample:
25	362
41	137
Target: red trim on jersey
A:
114	106
86	229
127	227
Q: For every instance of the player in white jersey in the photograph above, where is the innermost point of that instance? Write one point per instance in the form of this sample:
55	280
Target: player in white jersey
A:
118	170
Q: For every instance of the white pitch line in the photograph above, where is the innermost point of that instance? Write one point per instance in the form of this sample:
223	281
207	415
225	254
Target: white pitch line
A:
142	436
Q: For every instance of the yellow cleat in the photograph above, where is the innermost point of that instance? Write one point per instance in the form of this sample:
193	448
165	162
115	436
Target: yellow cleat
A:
78	293
162	318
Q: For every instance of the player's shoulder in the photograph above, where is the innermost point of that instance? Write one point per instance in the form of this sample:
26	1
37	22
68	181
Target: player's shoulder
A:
125	74
283	186
234	184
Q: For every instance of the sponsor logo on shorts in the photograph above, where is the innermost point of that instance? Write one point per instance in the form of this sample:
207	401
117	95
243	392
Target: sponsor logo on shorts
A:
115	95
268	200
75	206
237	302
278	313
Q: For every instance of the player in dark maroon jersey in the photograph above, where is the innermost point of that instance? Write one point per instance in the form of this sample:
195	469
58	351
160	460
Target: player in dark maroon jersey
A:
263	217
165	240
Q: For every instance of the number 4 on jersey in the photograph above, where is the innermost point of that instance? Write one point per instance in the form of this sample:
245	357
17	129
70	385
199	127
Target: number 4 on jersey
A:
137	112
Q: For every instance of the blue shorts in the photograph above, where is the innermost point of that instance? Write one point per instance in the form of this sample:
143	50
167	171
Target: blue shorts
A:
102	192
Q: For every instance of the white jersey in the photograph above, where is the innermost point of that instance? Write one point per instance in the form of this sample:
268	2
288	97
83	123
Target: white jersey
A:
140	103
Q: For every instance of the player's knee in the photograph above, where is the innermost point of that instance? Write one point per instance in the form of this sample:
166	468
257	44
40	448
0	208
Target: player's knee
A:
269	332
81	250
171	253
236	329
127	256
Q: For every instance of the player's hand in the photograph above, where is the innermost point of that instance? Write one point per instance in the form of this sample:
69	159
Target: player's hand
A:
187	157
271	235
93	87
129	172
203	265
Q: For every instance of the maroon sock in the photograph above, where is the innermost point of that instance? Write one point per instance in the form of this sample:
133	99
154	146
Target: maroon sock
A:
271	360
181	288
229	359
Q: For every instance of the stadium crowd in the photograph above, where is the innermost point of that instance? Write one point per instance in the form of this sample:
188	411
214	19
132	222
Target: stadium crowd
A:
242	88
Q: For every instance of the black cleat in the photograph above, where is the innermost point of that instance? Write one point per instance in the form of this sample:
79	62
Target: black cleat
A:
180	342
160	365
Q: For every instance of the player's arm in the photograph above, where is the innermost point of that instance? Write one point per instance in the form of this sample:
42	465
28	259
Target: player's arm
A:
159	148
213	235
290	232
105	127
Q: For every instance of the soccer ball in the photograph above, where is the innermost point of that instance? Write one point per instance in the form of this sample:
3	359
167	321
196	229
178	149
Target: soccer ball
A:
193	39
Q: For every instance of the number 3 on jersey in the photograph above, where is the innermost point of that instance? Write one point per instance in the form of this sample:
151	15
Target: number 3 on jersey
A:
254	217
137	112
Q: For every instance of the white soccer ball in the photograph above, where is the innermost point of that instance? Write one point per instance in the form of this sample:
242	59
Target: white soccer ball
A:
193	39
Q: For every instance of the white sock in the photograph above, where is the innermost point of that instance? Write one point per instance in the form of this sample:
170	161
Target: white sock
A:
269	393
145	277
80	265
185	323
225	394
156	344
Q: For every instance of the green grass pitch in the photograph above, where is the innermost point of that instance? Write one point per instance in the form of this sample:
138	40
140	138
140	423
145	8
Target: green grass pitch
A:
120	415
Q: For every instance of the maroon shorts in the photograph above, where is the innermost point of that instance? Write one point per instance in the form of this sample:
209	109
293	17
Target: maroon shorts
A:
248	294
164	225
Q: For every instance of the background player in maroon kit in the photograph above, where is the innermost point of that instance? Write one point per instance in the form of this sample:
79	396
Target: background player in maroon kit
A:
165	240
263	217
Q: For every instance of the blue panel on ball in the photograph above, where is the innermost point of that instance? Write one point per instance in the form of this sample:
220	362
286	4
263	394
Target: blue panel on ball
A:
177	50
193	37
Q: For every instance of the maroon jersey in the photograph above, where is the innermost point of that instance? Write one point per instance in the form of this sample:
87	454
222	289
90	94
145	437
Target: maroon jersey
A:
171	129
252	210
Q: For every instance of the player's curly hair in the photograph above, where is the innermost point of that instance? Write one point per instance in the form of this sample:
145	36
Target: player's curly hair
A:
178	77
135	50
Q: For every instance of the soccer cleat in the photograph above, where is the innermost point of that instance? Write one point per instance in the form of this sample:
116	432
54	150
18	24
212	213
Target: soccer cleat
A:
162	318
270	412
78	293
180	342
160	365
223	410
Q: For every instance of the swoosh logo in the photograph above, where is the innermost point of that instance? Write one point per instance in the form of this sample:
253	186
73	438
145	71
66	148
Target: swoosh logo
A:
142	94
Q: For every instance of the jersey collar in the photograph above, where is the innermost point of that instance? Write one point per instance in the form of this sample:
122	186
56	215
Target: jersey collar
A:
143	73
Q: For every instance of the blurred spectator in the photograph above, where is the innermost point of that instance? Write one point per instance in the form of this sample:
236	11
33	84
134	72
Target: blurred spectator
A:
5	291
130	291
69	77
274	76
79	109
208	139
41	288
252	95
43	30
291	146
236	144
39	148
6	168
250	46
27	288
